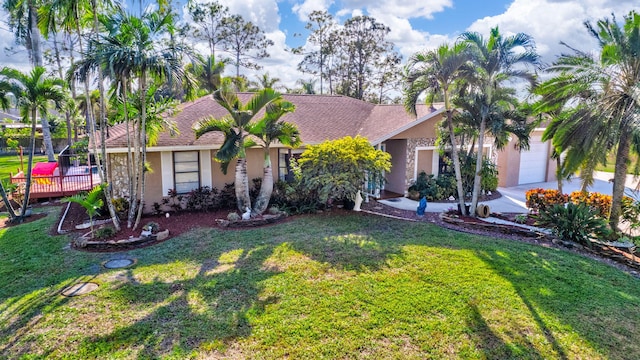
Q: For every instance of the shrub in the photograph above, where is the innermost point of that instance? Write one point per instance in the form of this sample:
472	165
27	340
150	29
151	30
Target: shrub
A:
539	199
337	169
226	198
425	185
294	198
201	199
121	206
575	222
173	200
152	226
105	232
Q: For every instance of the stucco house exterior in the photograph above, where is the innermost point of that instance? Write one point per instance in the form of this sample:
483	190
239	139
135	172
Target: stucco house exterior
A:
183	163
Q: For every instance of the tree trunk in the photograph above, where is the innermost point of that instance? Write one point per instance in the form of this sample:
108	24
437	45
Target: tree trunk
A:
46	139
266	189
143	144
456	163
242	185
67	116
477	179
7	204
36	39
559	173
27	189
619	179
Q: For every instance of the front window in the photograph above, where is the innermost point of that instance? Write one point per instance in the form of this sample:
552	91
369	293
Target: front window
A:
284	163
186	171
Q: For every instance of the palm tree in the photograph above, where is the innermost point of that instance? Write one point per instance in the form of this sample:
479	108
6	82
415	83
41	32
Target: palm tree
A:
207	72
235	127
438	71
34	93
264	81
133	50
606	87
269	129
91	202
496	62
23	18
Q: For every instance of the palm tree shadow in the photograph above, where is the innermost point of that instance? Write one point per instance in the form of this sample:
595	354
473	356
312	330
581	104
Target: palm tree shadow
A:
210	308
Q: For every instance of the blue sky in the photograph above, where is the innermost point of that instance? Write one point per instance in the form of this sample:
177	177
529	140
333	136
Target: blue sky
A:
415	26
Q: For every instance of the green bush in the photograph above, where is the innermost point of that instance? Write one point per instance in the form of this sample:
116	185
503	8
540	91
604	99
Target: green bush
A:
336	170
294	198
577	223
105	232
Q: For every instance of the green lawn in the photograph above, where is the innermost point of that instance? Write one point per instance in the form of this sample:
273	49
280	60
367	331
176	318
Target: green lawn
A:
11	164
323	286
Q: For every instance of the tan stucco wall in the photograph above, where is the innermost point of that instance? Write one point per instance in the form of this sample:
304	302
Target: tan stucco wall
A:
396	177
508	165
425	130
153	187
425	161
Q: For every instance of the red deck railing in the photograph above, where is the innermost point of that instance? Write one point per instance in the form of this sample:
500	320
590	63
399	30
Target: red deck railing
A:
57	185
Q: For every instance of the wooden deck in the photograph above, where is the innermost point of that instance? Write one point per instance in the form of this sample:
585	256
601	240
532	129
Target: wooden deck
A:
76	179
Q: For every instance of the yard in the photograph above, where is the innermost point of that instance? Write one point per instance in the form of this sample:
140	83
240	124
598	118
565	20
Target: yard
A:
10	164
324	286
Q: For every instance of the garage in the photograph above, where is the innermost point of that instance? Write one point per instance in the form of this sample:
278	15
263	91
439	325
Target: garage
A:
534	162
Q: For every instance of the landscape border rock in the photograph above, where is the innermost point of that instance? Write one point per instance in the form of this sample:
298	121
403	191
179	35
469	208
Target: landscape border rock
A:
264	220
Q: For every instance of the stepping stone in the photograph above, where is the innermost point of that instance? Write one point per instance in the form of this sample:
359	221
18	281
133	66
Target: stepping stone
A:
118	263
80	289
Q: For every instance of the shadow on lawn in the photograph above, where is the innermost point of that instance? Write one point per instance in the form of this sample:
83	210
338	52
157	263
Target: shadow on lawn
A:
211	310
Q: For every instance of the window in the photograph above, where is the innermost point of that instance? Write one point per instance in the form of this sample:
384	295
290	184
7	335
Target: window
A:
284	163
186	171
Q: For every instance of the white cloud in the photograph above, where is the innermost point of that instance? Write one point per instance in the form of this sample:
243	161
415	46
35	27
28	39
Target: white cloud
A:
263	13
553	21
308	6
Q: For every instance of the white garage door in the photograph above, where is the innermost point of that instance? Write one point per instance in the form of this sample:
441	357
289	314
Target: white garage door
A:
533	163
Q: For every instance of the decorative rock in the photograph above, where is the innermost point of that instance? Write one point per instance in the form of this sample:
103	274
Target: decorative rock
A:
162	235
451	198
145	233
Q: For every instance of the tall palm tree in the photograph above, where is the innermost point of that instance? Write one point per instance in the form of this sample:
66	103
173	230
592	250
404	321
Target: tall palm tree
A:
497	61
34	93
269	129
235	127
133	49
207	72
23	18
438	71
607	86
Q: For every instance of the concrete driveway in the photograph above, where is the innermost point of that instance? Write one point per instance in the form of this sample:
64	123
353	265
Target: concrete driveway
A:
513	198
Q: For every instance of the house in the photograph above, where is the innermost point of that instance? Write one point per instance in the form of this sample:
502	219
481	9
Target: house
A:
183	162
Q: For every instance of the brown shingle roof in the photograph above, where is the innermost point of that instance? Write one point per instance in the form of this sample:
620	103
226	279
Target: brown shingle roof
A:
318	117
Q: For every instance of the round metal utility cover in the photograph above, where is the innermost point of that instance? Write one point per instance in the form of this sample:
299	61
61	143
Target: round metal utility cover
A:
80	289
118	263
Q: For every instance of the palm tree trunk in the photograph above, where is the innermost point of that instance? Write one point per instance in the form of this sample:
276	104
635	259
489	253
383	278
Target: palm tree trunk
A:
262	202
67	116
619	179
46	139
143	144
5	199
242	184
27	189
477	178
559	173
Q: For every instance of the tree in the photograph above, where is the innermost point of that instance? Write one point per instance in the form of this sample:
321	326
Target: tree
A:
34	93
269	129
438	71
207	72
338	169
91	202
264	81
245	42
496	61
208	19
133	50
605	89
23	19
321	24
364	45
235	127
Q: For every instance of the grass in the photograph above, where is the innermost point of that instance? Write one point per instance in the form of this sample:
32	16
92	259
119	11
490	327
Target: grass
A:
9	164
324	286
610	166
